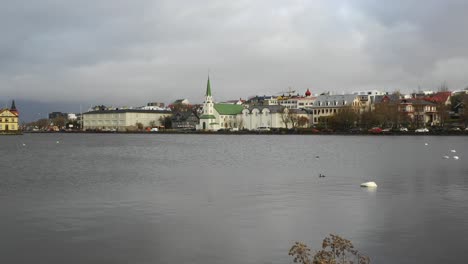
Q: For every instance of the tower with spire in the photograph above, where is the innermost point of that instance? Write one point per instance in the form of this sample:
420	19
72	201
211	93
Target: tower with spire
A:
9	120
207	117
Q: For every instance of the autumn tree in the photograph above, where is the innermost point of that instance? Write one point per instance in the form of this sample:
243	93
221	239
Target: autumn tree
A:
344	119
303	121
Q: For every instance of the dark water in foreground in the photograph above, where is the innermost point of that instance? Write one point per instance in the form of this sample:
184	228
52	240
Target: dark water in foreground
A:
229	199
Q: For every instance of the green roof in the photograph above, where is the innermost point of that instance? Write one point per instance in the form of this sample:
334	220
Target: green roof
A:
208	87
228	109
207	117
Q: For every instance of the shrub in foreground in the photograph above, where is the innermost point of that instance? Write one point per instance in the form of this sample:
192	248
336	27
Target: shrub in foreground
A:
335	250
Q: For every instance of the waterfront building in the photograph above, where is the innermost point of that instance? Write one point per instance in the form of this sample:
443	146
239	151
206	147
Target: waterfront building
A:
419	112
185	120
296	101
9	119
368	98
123	119
215	116
328	105
270	116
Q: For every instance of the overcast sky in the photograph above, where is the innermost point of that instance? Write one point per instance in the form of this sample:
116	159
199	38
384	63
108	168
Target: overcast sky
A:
121	52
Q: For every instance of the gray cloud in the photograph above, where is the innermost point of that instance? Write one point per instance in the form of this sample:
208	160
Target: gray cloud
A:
130	52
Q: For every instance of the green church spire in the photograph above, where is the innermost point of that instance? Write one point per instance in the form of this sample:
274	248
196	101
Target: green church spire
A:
208	87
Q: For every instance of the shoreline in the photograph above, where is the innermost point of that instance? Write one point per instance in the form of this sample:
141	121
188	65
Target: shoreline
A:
282	132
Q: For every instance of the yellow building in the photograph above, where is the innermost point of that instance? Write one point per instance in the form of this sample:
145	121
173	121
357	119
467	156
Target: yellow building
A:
9	120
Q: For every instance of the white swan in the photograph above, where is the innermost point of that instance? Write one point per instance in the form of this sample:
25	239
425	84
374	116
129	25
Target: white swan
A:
446	157
369	184
426	144
453	151
455	157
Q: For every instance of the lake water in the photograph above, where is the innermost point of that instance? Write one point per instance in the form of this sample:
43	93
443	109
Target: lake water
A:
93	198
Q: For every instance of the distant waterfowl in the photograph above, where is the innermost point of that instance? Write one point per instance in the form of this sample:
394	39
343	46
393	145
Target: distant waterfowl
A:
24	144
426	144
369	184
57	142
321	175
317	157
453	151
446	157
455	157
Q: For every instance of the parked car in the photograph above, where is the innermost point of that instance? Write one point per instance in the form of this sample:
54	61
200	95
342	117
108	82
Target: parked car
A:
263	129
455	129
355	130
375	130
387	130
422	130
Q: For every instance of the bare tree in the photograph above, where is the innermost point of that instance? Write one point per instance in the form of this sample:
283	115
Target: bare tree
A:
139	126
443	87
285	117
240	122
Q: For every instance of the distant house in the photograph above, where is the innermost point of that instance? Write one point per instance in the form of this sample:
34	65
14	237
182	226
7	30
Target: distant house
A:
184	120
9	119
440	98
122	119
328	105
420	112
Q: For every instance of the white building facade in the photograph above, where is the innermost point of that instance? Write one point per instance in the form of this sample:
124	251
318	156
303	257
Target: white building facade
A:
121	120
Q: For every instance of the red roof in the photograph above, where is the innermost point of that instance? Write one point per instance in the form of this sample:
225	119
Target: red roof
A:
439	97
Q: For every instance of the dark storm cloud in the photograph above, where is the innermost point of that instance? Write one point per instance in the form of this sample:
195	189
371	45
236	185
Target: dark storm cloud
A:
130	52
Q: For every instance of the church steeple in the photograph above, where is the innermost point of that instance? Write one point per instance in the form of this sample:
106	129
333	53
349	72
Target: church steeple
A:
208	88
13	106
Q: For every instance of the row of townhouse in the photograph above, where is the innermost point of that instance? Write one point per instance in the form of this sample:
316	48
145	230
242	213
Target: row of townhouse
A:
271	111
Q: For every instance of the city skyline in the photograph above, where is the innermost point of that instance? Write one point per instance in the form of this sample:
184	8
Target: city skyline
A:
125	53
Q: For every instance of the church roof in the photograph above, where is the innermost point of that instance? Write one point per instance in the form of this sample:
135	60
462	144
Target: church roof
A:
228	109
207	117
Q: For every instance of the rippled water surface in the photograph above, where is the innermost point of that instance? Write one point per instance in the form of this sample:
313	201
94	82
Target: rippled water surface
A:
229	199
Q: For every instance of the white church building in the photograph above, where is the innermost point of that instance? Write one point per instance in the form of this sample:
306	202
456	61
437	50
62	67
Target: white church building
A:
218	116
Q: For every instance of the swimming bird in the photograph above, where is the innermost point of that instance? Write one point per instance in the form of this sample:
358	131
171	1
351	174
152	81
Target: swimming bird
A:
426	144
317	157
57	142
321	175
24	144
369	184
453	151
446	157
455	157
